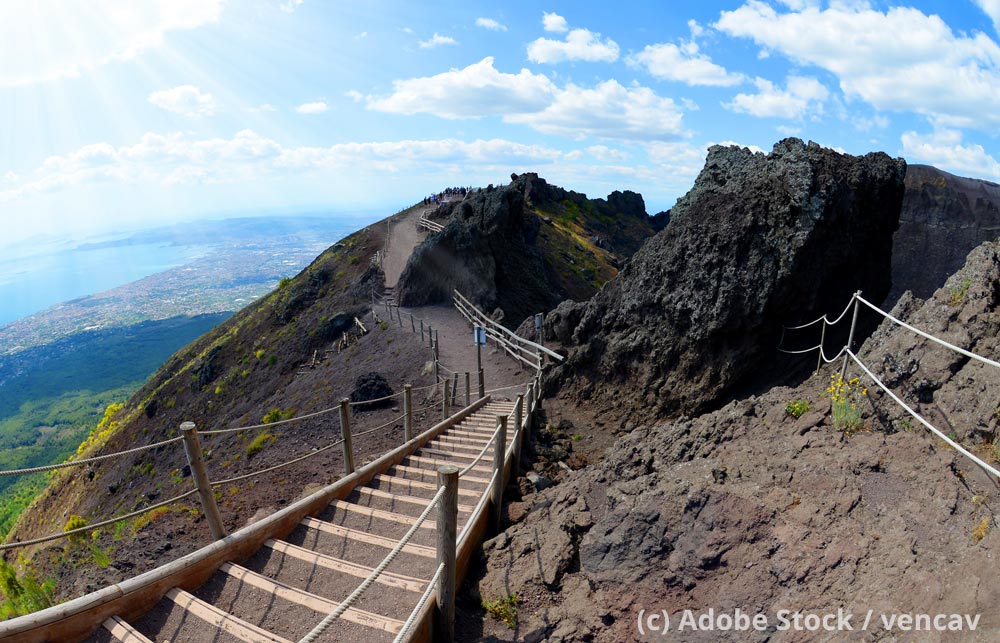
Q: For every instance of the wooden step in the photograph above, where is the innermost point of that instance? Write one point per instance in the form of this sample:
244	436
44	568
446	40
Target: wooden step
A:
391	481
222	620
426	474
368	512
365	537
312	601
447	444
448	453
390	579
434	463
413	500
124	632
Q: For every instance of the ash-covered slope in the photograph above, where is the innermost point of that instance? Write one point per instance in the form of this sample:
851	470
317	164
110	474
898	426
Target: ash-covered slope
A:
943	218
525	247
750	508
759	241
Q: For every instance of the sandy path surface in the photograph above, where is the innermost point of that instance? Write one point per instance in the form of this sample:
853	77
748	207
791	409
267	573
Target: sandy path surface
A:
403	238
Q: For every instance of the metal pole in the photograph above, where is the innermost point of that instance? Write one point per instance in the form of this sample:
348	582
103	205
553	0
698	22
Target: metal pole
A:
407	412
345	433
499	450
482	384
447	526
192	447
822	340
850	336
468	388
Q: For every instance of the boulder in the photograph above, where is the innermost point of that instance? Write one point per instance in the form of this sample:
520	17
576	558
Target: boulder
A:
371	386
760	241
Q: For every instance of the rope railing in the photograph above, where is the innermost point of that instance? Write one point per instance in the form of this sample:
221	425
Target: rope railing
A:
348	602
267	425
97	525
408	624
848	354
92	460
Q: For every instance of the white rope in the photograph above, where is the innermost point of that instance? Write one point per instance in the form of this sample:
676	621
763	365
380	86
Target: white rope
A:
504	388
99	458
920	419
420	605
962	351
800	352
486	447
824	318
367	582
98	525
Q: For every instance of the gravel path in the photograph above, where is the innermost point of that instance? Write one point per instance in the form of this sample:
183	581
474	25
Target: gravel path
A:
403	238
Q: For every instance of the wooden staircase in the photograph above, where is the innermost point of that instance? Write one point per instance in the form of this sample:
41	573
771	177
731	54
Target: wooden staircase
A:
280	592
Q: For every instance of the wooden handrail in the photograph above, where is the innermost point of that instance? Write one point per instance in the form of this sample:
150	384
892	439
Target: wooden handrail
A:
507	331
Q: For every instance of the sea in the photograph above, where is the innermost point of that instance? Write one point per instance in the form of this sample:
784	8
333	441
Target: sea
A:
30	282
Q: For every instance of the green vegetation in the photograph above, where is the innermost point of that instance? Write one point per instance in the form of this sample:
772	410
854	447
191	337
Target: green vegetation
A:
797	408
22	594
277	415
958	294
75	522
503	610
284	282
980	530
383	325
263	439
845	396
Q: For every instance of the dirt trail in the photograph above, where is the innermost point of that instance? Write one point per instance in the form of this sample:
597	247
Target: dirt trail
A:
403	238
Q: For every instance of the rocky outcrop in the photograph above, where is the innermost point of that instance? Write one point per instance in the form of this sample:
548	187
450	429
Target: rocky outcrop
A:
960	396
750	508
524	247
759	241
943	218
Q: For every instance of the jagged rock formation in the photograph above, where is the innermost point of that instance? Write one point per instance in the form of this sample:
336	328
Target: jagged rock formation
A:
525	247
759	241
943	218
749	507
956	394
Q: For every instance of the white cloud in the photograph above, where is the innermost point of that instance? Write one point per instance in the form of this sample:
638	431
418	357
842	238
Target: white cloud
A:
477	90
264	107
491	24
554	22
686	64
992	9
608	110
11	177
899	60
580	44
185	99
46	40
801	94
178	159
289	6
944	149
315	107
407	30
354	95
361	36
728	143
607	154
437	40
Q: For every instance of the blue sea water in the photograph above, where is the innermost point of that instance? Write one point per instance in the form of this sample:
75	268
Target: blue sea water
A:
34	282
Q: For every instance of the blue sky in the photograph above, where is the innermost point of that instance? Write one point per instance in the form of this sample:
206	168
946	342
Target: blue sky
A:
127	114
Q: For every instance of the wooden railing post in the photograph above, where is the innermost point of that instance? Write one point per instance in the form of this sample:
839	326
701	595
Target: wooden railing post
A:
454	389
468	388
345	434
445	406
531	407
407	412
413	324
399	316
437	365
447	527
192	447
500	449
421	331
518	434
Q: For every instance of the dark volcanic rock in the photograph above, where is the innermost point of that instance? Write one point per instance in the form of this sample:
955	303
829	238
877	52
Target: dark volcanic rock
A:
372	386
958	395
943	218
492	247
759	241
752	509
